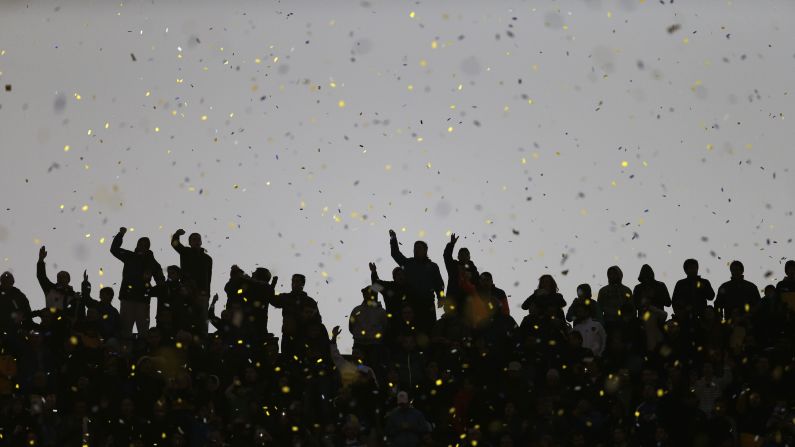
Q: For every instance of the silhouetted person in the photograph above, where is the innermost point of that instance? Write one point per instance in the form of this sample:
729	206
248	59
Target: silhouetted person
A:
368	326
585	298
545	300
786	287
612	296
14	306
395	292
424	280
297	308
59	295
455	271
593	334
492	293
737	294
140	267
691	293
109	319
405	426
655	292
262	289
197	266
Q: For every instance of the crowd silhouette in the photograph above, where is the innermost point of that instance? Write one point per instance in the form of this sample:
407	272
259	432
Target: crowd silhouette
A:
629	367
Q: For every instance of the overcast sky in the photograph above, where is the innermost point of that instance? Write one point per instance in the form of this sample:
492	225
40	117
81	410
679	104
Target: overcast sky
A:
555	137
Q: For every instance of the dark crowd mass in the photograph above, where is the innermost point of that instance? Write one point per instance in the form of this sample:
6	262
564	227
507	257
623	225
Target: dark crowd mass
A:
703	365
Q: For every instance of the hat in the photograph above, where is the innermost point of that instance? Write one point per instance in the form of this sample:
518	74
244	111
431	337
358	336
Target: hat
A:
402	397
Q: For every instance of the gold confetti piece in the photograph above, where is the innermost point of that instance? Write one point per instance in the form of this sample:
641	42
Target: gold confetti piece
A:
84	208
257	61
89	132
749	146
423	63
410	87
147	93
434	44
388	167
157	129
275	59
609	14
88	235
179	80
419	139
524	161
460	86
686	40
709	147
450	129
107	124
204	117
77	96
530	101
411	14
324	274
66	148
624	164
61	207
101	272
613	183
341	103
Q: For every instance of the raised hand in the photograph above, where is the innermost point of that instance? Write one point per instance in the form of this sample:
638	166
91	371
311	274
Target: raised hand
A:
335	332
453	238
392	234
274	280
215	299
122	230
85	275
42	253
179	232
373	268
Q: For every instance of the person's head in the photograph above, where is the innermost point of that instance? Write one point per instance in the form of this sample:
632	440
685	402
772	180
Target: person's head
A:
398	275
298	282
261	274
770	291
369	294
463	255
789	268
142	245
614	275
173	273
235	272
403	399
63	278
690	267
486	280
6	280
195	240
547	283
737	269
584	291
420	250
106	294
646	273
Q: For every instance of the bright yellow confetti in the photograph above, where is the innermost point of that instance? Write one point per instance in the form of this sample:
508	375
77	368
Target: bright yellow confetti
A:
624	164
434	44
204	117
686	40
411	14
102	240
275	59
450	129
66	148
387	167
709	147
157	129
410	87
257	61
84	208
423	63
530	101
148	93
77	96
341	103
90	132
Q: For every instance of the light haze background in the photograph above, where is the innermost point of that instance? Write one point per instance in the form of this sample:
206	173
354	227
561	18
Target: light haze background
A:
554	137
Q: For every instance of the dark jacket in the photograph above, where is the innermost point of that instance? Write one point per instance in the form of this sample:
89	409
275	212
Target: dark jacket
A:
455	270
14	306
737	293
135	274
656	292
196	265
424	281
59	297
691	295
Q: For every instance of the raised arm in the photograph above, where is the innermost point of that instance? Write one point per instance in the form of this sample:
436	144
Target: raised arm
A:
175	243
41	271
448	252
115	246
395	249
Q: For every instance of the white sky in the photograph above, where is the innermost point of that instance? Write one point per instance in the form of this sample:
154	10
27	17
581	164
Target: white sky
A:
436	134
